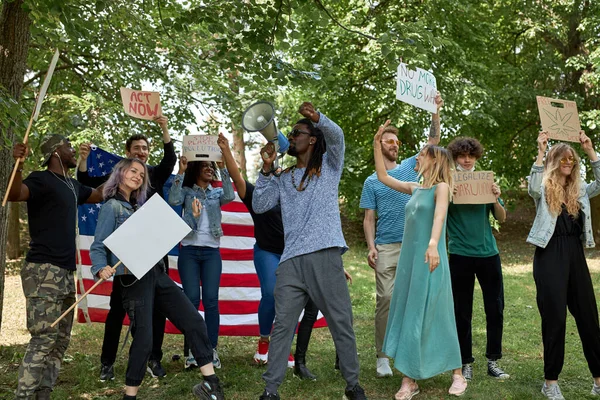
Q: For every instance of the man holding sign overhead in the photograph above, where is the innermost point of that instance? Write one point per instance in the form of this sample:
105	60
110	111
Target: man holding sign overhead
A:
47	275
473	253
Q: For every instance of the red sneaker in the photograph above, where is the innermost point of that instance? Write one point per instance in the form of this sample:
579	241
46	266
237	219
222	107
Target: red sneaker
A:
262	352
291	361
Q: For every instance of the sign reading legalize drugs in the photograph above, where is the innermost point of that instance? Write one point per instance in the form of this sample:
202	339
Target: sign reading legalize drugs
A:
141	104
559	118
417	88
473	187
201	148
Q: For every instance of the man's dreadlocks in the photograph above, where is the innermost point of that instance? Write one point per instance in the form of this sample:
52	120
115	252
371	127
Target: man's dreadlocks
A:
316	159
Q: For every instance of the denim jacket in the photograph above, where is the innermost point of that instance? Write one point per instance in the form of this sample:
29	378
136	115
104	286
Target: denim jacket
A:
112	215
544	223
212	199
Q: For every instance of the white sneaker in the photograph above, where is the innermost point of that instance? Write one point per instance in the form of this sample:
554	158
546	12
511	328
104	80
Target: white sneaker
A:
383	367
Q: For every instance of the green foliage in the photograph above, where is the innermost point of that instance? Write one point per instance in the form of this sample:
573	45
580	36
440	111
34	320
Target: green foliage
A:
490	58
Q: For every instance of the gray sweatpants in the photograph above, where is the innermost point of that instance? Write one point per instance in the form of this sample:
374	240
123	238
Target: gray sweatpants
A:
319	276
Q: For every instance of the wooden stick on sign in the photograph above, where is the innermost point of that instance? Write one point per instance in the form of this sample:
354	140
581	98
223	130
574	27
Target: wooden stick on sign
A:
114	268
34	116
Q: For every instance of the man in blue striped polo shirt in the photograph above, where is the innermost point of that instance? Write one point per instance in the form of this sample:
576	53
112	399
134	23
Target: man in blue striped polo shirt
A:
384	226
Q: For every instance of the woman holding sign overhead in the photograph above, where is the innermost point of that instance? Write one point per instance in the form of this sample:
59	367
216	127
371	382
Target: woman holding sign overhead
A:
473	253
125	190
199	261
421	330
561	228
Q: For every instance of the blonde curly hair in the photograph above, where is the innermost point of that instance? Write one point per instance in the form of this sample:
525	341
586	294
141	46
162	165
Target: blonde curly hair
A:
557	194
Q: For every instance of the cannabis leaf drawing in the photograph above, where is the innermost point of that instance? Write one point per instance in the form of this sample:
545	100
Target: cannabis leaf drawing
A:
559	123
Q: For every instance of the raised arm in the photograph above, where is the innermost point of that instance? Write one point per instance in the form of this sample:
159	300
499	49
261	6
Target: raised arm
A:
334	136
442	199
382	175
593	188
534	187
232	167
18	190
266	191
434	129
176	195
498	210
164	169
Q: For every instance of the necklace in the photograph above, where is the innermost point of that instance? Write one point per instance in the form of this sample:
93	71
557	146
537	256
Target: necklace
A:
294	181
68	184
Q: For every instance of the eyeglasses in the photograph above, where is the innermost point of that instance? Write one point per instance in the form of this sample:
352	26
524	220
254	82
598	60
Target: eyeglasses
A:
392	142
569	159
207	166
296	132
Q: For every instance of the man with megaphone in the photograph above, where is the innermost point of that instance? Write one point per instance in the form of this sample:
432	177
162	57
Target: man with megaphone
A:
311	264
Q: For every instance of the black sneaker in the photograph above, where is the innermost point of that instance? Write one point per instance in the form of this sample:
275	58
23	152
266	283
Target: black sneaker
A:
269	396
467	371
107	373
208	391
155	369
356	393
495	371
302	372
42	394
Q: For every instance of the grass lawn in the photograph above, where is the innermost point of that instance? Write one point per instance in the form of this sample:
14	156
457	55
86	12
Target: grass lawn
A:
242	380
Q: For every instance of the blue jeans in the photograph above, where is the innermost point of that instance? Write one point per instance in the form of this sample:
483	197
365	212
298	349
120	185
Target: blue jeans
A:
200	265
266	264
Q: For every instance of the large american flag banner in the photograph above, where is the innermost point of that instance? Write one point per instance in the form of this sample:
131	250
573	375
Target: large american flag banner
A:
239	292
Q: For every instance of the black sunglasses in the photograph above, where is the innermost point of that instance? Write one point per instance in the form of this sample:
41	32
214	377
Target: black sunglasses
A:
296	132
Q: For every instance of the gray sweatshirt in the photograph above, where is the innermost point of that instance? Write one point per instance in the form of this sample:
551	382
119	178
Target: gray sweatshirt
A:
311	218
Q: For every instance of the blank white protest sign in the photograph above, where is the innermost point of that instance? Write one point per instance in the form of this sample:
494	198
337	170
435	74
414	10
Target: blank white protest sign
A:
146	236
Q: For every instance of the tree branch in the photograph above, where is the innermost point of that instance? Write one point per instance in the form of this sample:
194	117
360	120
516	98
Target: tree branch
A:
342	26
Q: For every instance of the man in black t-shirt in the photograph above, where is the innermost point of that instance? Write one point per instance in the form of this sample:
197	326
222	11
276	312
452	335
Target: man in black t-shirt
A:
137	146
47	275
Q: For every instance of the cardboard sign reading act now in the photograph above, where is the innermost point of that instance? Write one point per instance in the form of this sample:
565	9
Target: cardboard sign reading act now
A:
473	187
141	104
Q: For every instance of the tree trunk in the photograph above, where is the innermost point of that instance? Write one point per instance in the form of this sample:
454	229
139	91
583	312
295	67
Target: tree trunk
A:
14	46
239	148
13	244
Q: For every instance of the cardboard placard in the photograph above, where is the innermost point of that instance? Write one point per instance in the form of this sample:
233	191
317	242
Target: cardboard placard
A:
417	88
201	148
559	118
141	104
473	187
146	236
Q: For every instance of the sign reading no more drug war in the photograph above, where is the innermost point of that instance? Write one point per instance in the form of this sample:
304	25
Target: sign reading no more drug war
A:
141	104
201	148
559	118
473	187
417	88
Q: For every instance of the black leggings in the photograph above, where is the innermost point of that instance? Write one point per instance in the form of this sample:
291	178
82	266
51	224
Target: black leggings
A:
156	291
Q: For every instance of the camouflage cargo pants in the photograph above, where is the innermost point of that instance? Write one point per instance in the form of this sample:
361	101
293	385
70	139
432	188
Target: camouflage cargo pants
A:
49	290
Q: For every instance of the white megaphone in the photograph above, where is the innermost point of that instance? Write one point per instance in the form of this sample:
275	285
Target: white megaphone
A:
260	117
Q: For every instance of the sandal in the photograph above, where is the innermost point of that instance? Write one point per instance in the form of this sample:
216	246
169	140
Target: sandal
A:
407	391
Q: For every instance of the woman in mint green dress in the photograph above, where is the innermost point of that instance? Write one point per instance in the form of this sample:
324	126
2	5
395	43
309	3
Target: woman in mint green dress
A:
421	330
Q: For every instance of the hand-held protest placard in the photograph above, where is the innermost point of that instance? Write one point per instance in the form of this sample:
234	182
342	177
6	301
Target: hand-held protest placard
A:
201	148
417	88
140	104
146	236
559	118
143	240
473	187
34	116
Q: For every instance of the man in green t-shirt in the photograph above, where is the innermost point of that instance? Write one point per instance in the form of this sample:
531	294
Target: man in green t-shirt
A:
473	253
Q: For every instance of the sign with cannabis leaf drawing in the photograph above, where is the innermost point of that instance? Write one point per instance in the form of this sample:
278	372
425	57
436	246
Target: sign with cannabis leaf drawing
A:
559	118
